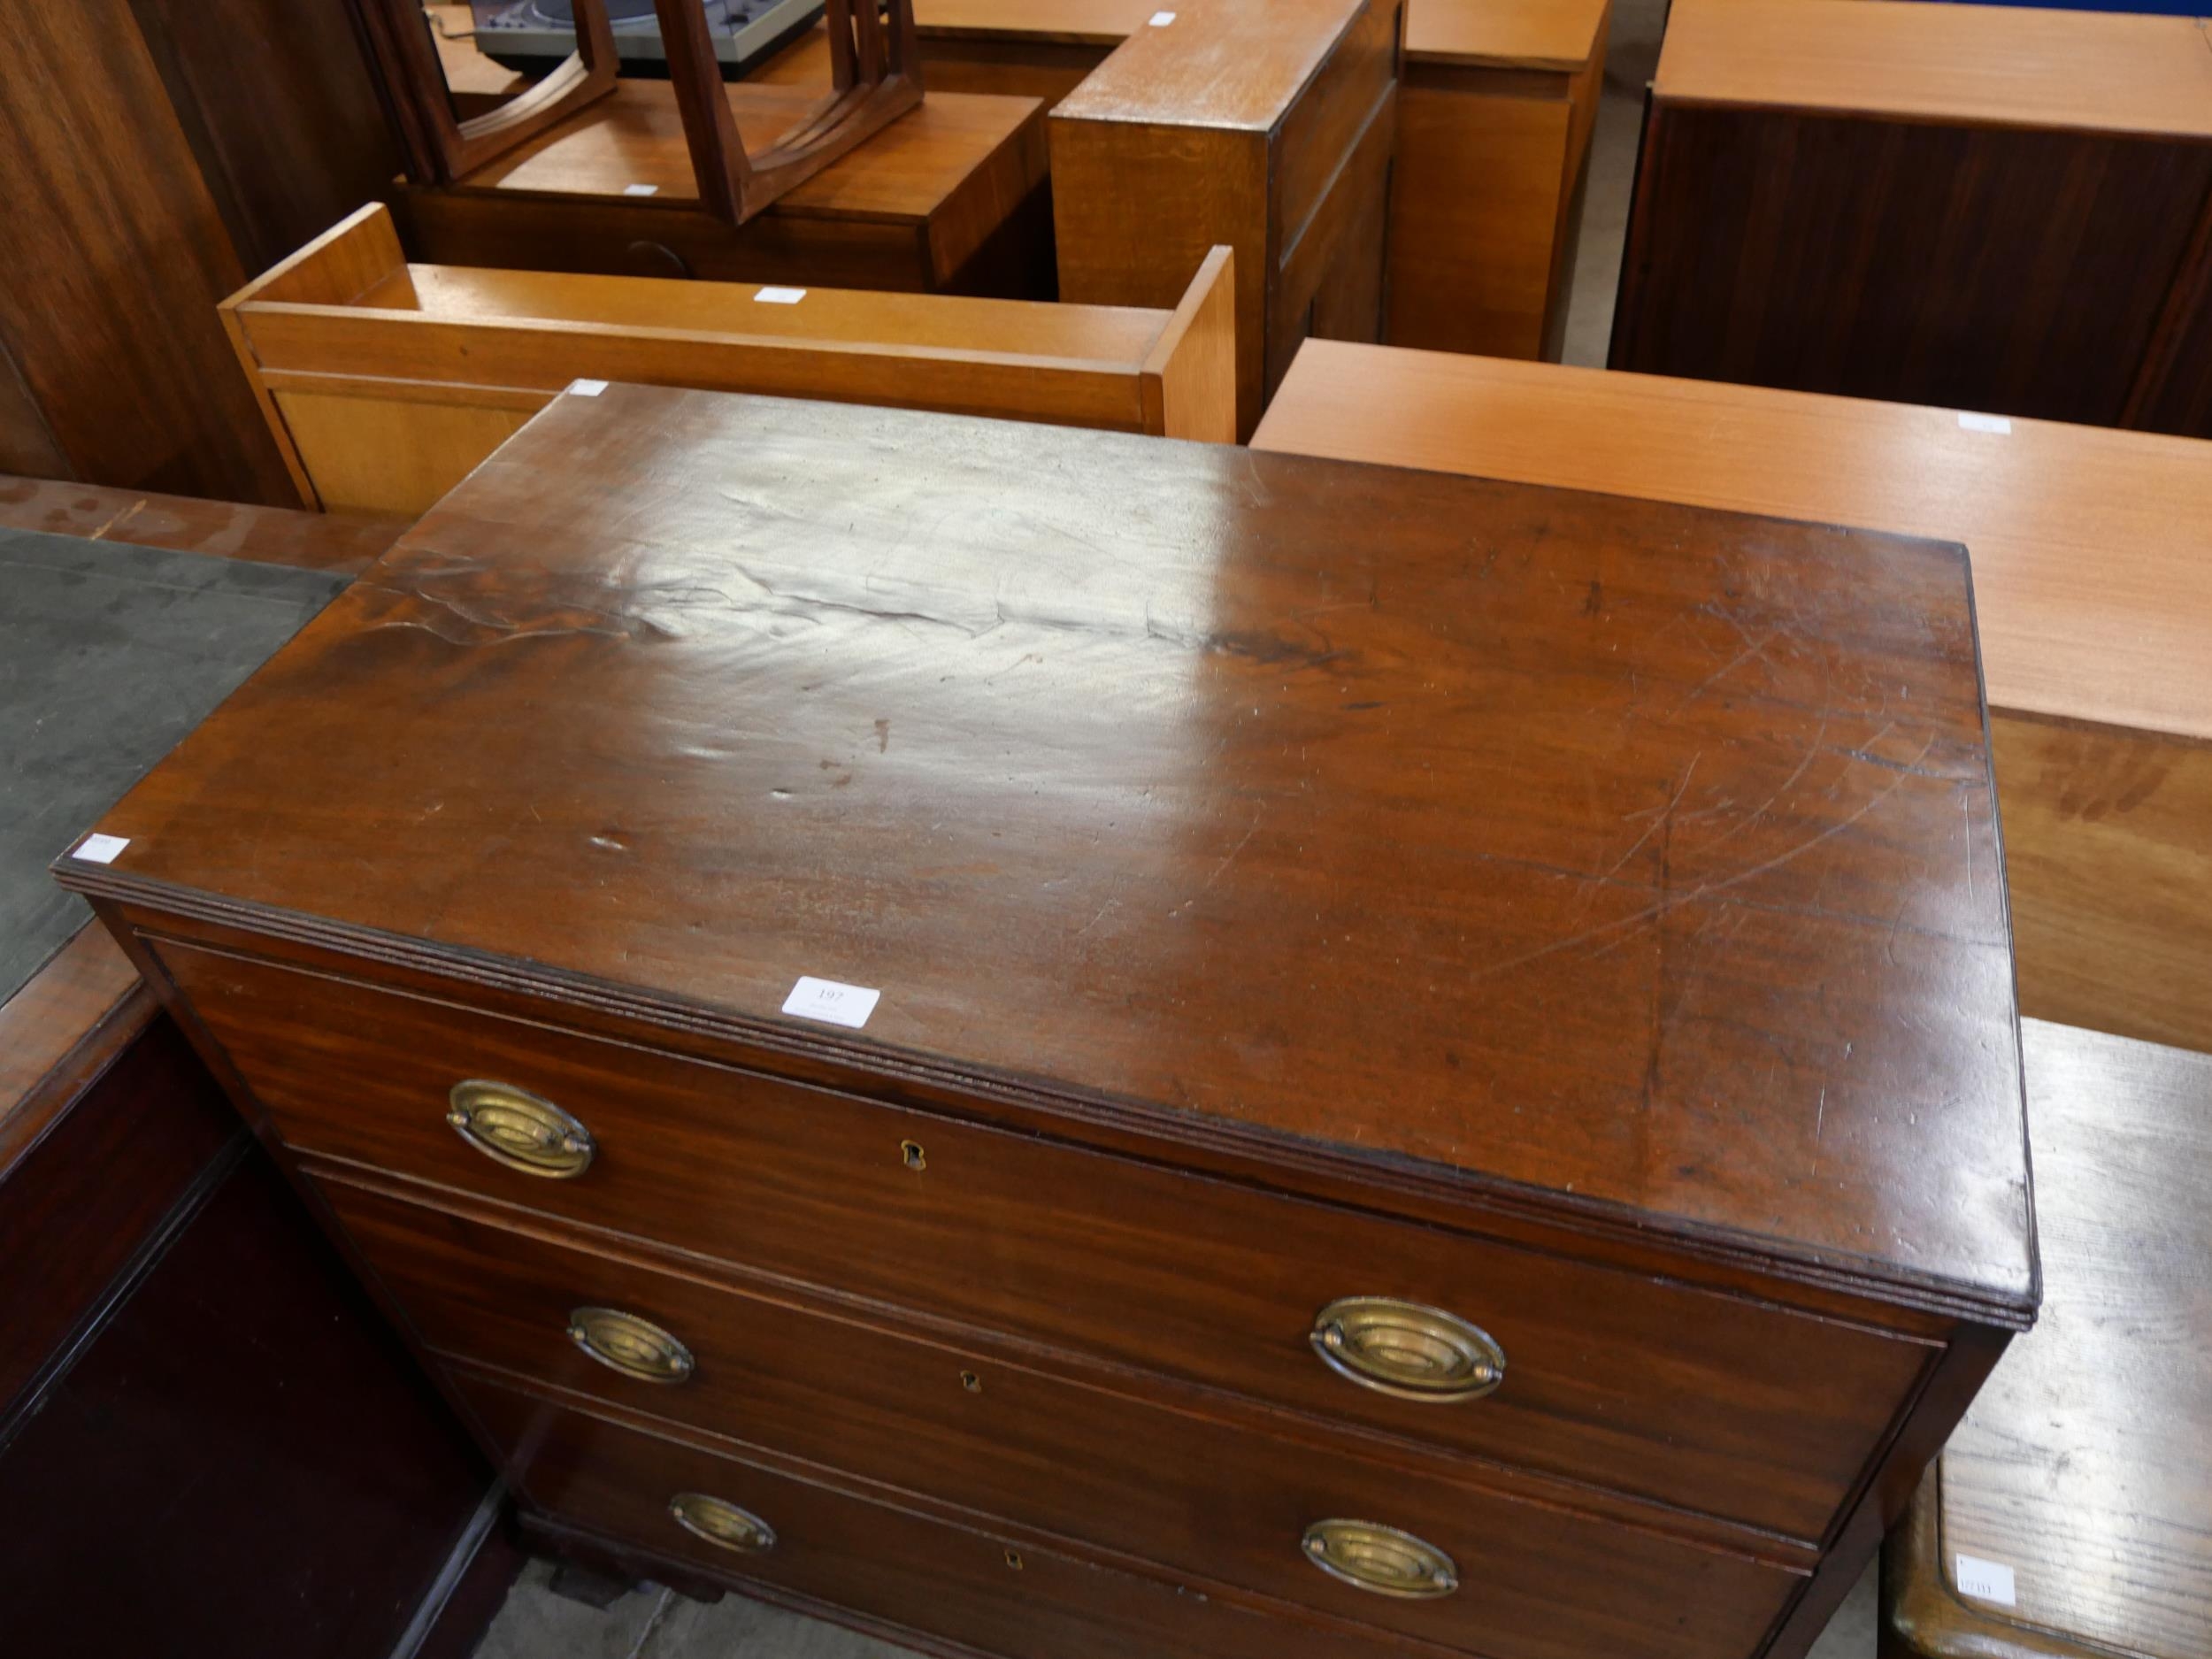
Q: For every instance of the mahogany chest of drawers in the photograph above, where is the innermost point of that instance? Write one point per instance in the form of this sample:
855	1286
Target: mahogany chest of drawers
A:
1067	1045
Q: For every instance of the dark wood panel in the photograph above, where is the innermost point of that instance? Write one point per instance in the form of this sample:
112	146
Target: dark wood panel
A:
885	1564
122	1152
277	101
1706	1402
241	1461
118	257
2173	391
1086	1464
2016	271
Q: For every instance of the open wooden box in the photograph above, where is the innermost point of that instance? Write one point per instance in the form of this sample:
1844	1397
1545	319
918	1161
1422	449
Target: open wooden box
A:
386	382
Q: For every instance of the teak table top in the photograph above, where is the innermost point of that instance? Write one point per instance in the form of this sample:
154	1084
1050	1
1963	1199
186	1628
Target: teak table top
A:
1234	64
1628	861
2086	541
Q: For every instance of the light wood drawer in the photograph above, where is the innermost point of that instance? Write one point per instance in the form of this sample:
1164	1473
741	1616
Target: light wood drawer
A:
1705	1400
1084	1463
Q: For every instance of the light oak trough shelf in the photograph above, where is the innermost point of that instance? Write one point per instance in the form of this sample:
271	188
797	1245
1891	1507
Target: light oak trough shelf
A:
386	382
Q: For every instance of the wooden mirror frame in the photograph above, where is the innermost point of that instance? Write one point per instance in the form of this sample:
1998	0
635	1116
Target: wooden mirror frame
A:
438	146
876	76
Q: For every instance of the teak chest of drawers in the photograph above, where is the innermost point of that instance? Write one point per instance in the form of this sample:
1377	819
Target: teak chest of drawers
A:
1445	1077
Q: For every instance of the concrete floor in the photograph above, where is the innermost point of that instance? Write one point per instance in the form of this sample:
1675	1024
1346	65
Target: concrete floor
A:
1632	57
538	1622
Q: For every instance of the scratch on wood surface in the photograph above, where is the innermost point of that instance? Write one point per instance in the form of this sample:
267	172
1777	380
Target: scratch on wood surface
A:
117	520
1672	901
1664	816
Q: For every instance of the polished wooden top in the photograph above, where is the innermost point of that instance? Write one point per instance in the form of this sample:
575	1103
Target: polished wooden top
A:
2085	1462
1072	22
2090	578
1221	62
634	137
1629	858
1533	34
2003	65
1504	33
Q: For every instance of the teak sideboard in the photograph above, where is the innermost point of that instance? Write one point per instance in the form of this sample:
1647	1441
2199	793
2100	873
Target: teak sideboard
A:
1992	207
1061	1043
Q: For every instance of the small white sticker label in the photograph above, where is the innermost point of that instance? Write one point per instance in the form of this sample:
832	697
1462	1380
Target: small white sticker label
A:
586	389
1986	1581
826	1000
1985	423
778	296
101	849
641	189
1160	19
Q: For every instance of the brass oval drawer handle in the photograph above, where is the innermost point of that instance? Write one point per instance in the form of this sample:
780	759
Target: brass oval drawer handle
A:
635	1347
518	1129
1403	1349
1381	1559
722	1522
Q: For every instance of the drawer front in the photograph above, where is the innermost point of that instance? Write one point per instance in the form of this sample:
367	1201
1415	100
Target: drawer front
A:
1083	1463
1704	1400
885	1563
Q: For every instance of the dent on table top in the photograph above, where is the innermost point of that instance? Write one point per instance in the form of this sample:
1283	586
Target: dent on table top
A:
1638	855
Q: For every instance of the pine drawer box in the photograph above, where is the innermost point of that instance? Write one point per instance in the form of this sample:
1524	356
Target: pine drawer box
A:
1423	1045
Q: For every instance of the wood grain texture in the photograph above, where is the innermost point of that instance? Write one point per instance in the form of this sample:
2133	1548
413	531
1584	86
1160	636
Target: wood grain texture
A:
397	379
1263	127
1829	786
2089	592
2084	1464
2104	828
119	256
1762	242
1477	194
2173	387
222	529
1790	149
1190	371
917	207
2073	71
281	110
1173	1490
1494	135
1562	35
